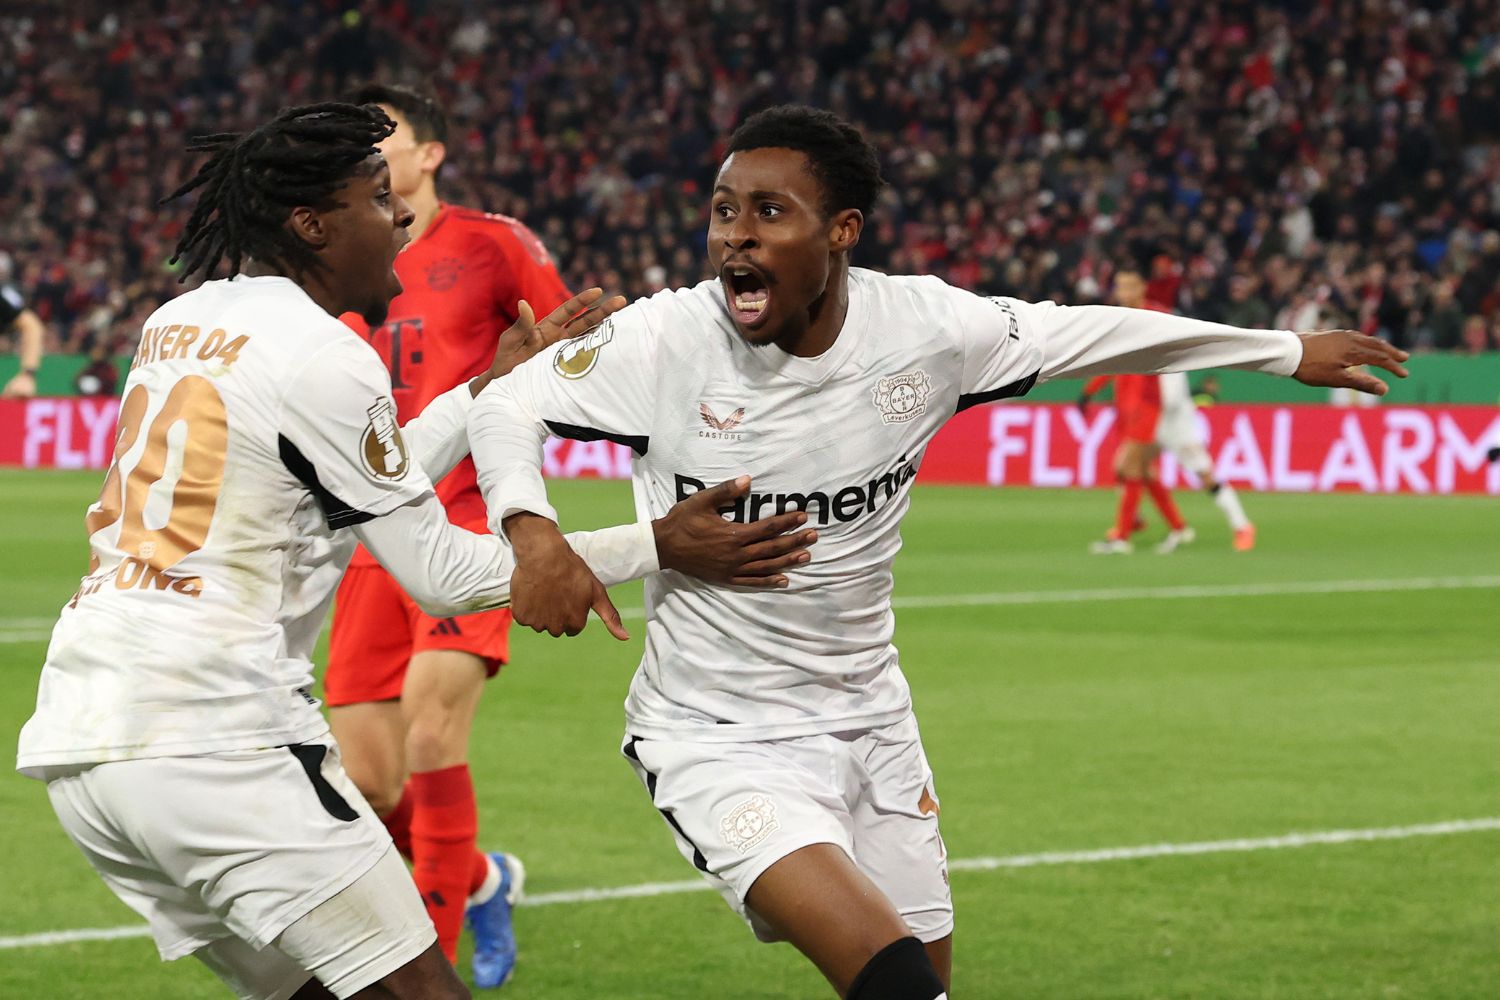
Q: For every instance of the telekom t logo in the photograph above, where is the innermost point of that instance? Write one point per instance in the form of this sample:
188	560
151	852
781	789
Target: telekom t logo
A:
399	342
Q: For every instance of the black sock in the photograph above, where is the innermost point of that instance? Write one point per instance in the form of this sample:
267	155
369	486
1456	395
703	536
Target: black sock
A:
899	971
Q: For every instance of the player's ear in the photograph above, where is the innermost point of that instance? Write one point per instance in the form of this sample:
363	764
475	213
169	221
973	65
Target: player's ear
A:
308	225
433	155
844	230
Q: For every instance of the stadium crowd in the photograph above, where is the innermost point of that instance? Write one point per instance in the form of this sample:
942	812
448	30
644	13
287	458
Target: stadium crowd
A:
1299	163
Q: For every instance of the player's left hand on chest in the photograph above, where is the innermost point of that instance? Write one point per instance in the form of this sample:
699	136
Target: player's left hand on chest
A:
1336	358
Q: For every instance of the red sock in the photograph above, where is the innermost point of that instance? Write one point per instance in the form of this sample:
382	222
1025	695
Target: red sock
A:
1162	497
481	866
444	828
1130	502
398	822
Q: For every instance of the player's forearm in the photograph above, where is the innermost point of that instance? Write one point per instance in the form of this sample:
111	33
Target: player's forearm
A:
445	569
625	552
438	436
1095	340
33	334
506	442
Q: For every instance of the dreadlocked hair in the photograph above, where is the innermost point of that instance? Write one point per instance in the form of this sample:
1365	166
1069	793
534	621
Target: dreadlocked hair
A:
252	181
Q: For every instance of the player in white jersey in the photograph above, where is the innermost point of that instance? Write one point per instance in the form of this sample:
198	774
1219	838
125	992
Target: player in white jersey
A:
774	730
257	442
1177	432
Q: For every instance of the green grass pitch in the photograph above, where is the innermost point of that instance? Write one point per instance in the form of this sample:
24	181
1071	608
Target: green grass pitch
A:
1054	726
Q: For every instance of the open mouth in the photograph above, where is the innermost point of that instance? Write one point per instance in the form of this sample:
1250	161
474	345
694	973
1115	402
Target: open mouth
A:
748	294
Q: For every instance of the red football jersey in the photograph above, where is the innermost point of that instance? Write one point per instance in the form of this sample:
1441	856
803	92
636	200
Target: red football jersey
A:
462	280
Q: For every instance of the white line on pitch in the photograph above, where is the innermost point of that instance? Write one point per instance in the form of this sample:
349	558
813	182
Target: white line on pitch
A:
1284	842
1179	593
1210	590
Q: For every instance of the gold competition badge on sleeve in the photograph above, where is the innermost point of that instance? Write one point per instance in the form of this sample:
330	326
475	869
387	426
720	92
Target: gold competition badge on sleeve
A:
577	357
382	448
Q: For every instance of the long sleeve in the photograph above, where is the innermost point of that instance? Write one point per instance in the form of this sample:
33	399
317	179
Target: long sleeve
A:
1009	345
595	387
449	571
1095	340
438	436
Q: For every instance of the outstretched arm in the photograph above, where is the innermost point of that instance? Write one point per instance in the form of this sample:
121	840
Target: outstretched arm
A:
1009	345
1084	340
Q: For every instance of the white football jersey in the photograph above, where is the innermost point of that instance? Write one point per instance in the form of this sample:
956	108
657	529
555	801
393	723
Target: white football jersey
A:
253	426
840	436
1175	393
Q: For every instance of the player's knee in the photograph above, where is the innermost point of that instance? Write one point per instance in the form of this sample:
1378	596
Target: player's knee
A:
899	971
383	796
435	739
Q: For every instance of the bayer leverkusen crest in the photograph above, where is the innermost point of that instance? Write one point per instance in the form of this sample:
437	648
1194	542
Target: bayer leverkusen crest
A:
900	398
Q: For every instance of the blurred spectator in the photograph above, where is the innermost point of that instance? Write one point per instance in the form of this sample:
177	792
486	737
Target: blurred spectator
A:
100	376
1245	307
1206	393
1442	328
1282	158
1476	336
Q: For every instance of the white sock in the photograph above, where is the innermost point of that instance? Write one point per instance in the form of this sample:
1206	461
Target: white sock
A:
489	886
1229	502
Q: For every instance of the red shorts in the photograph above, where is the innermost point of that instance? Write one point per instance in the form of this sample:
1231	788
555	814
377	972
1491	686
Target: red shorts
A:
1138	423
377	629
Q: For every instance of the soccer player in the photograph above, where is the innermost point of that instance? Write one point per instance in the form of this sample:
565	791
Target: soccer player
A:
1138	407
774	730
257	440
1156	412
29	328
1177	432
403	686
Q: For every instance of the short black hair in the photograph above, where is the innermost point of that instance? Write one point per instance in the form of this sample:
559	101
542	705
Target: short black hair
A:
253	181
422	112
842	159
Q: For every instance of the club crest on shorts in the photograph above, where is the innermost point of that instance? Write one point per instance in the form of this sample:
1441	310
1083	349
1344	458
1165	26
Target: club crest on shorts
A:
382	448
749	823
900	398
577	357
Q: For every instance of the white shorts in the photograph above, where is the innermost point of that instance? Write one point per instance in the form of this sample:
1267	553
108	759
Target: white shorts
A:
267	864
1177	432
738	808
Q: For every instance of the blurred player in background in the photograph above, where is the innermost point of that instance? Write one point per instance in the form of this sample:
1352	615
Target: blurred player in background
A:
31	334
1177	432
1138	405
402	686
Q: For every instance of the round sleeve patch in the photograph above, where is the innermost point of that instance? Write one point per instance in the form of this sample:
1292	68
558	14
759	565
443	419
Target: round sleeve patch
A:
577	357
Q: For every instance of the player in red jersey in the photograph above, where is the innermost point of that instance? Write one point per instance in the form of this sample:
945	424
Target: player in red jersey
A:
1138	403
403	687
